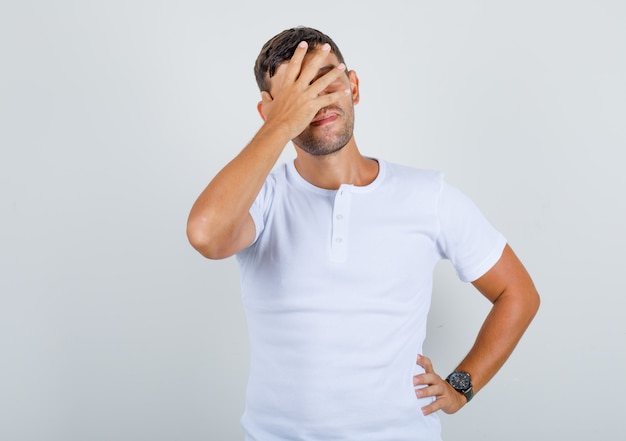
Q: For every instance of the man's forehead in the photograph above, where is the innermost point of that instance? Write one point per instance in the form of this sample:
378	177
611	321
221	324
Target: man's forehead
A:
330	62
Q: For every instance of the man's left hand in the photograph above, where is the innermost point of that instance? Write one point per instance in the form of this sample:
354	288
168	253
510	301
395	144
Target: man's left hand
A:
446	398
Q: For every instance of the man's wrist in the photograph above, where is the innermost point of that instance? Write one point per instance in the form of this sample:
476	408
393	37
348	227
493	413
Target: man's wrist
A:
462	383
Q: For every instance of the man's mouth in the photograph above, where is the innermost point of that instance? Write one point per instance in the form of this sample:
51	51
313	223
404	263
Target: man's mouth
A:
325	116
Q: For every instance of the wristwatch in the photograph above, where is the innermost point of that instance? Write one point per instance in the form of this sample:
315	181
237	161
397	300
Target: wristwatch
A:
462	383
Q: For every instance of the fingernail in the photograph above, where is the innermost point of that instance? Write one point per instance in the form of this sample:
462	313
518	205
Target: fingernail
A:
326	47
303	44
341	66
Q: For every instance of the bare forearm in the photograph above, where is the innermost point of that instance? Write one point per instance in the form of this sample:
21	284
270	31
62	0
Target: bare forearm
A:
501	331
219	224
222	207
509	287
511	314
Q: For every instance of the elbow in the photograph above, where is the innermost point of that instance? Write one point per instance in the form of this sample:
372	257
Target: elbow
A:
535	302
200	238
529	303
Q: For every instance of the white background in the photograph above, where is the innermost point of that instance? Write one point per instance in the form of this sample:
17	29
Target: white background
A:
114	115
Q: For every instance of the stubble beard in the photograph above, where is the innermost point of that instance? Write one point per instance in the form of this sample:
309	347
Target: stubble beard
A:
326	141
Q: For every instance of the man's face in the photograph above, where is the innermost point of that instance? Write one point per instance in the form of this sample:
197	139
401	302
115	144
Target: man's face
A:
332	128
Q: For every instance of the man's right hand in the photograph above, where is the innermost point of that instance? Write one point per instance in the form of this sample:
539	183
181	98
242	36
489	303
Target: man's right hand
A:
297	91
219	223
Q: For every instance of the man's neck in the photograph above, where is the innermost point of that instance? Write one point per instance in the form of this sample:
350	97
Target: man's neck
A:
346	166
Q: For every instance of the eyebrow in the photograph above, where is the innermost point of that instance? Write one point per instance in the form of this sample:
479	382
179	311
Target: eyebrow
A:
324	70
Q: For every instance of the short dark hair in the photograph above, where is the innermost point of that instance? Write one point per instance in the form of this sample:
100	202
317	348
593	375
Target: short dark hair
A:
281	47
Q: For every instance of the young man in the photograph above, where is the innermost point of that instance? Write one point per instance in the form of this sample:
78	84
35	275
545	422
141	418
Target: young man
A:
337	252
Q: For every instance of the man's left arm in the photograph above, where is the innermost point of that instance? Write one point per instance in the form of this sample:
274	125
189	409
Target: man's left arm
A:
515	300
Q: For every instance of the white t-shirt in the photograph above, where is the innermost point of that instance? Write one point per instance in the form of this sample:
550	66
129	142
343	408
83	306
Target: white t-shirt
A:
336	288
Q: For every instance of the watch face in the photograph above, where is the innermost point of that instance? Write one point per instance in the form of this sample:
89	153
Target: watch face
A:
460	380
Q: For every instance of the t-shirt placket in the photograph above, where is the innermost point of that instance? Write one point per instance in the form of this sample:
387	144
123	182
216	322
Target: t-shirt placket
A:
339	239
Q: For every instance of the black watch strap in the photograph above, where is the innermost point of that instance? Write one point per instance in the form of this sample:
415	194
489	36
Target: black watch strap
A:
469	393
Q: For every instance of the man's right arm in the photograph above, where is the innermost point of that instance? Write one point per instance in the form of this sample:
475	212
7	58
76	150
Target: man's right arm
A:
219	223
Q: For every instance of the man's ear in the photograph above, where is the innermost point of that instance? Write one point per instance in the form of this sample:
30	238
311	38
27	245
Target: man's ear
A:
354	86
265	99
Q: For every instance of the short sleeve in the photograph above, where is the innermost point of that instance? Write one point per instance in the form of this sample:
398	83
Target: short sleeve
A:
466	237
259	208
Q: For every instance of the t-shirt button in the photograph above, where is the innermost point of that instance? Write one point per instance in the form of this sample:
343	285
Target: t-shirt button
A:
339	216
339	240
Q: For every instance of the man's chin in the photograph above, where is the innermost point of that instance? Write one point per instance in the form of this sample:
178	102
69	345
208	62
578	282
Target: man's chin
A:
319	150
318	142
